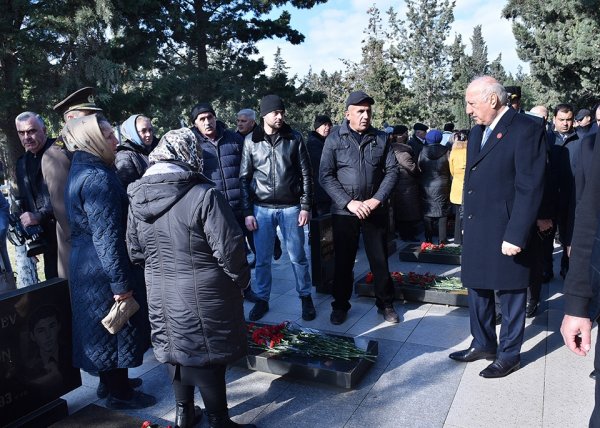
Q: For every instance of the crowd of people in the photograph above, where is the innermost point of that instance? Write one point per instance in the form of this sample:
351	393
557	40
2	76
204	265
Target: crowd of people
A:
170	222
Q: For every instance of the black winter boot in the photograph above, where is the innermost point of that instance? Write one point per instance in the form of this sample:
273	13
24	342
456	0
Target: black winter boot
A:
221	420
187	415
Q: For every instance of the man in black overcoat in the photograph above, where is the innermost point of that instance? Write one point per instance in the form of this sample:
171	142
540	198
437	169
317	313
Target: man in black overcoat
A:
503	187
582	284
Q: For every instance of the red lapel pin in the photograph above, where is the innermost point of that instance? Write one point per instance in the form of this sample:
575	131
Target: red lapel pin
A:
499	135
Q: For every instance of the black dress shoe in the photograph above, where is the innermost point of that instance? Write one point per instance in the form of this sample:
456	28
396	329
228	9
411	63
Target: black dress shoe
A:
499	368
338	316
471	354
593	375
531	309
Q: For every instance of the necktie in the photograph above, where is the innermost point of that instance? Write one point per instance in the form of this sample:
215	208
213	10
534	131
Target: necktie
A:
486	135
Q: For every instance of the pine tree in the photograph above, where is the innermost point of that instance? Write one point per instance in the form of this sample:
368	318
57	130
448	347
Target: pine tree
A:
422	56
376	75
560	42
478	61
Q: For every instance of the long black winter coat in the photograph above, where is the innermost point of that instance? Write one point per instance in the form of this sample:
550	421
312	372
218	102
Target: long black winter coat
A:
407	195
99	268
183	231
435	180
504	184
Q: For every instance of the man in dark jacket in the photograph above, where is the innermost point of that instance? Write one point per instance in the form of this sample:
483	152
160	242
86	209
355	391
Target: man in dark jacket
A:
314	144
502	192
245	121
221	155
276	184
582	285
418	138
359	172
564	158
33	193
584	122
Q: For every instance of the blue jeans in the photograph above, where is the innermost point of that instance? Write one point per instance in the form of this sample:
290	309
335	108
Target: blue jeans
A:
264	237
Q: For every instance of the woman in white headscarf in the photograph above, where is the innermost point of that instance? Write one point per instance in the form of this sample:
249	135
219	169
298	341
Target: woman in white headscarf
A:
183	231
137	138
100	271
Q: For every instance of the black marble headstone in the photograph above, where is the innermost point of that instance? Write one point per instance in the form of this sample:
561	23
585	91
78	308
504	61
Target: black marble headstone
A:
35	349
322	253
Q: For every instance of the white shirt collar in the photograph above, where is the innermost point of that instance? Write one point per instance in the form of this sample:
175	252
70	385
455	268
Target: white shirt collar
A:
498	117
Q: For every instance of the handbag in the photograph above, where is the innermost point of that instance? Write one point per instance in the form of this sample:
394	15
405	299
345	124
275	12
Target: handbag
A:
119	314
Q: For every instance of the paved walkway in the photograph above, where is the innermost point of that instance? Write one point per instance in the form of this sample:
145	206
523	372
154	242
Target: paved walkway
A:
412	384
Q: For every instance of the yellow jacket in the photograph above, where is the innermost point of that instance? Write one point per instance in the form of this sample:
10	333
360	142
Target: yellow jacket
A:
458	164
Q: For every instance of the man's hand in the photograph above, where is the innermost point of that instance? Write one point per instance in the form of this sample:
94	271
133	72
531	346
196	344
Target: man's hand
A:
568	251
359	208
577	334
30	219
251	223
303	218
544	224
372	203
509	249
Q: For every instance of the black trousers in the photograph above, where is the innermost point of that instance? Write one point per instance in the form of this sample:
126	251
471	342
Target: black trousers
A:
442	225
209	379
482	319
458	210
346	230
536	272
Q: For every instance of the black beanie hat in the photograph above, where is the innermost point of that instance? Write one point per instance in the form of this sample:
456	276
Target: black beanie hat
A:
201	108
270	103
321	119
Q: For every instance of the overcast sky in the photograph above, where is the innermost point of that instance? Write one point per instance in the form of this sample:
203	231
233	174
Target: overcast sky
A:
334	30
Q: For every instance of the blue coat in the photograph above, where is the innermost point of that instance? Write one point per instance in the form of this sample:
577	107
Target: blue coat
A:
99	268
221	163
503	188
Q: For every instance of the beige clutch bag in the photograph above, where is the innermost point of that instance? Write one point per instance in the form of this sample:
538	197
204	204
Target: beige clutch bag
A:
119	314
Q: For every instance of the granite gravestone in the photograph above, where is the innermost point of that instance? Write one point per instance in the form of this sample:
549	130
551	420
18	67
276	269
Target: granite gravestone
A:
35	349
321	253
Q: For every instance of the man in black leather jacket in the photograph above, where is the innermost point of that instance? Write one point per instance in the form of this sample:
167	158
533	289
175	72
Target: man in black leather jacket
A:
359	171
276	185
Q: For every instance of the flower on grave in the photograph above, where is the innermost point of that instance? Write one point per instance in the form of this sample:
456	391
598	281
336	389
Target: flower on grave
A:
428	246
426	280
291	339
